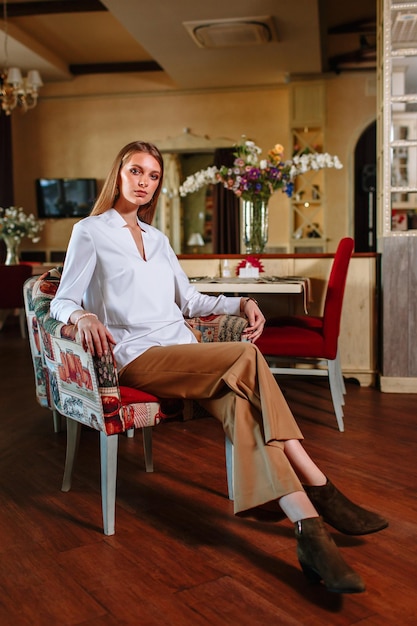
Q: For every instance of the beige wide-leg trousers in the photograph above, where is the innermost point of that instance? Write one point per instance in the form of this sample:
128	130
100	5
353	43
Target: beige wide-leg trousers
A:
233	382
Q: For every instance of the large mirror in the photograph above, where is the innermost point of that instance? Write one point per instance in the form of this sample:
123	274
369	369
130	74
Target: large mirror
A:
187	221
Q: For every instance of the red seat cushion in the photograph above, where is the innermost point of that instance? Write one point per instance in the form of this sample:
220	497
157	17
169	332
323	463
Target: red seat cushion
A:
129	395
294	341
300	321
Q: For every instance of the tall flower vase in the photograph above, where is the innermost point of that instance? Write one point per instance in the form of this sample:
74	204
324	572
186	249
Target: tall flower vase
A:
255	225
12	247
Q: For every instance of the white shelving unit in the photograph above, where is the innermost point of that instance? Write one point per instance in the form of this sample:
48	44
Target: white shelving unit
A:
308	214
398	114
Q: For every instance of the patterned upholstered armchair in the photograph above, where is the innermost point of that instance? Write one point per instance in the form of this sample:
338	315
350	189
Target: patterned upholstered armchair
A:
41	386
86	391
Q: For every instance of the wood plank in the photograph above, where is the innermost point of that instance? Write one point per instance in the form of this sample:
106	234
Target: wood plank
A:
395	293
179	555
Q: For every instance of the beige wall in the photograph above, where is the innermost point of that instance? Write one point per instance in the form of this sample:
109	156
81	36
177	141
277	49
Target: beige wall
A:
77	128
351	107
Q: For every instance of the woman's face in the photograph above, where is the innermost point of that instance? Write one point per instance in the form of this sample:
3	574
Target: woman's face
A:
139	178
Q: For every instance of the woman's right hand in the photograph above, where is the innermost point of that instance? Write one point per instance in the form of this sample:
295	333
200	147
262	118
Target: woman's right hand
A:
95	337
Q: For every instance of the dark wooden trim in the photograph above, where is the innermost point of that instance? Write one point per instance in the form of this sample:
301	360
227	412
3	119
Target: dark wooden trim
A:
115	68
23	9
367	26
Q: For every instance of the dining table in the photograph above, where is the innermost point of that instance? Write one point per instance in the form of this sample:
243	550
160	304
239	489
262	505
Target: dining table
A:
286	285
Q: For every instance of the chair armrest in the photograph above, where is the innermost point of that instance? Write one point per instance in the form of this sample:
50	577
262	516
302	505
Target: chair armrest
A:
41	387
219	327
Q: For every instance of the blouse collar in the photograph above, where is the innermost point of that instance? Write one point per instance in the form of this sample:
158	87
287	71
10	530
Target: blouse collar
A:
114	218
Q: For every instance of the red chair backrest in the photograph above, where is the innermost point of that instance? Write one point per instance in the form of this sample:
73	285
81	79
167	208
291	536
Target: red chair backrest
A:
335	291
12	278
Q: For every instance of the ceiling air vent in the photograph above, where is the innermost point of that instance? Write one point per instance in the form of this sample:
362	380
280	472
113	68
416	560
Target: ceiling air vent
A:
247	31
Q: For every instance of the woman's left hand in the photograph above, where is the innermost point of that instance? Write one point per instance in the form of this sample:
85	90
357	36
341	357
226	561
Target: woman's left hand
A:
255	318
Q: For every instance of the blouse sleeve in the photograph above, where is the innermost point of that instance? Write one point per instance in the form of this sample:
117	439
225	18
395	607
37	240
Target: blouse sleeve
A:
193	303
80	261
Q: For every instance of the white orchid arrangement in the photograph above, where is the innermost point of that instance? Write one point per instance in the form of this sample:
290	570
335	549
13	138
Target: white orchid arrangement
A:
313	161
15	223
251	177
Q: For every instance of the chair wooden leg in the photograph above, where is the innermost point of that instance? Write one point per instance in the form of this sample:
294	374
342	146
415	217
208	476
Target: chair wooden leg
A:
147	448
338	388
229	466
337	396
57	421
22	322
340	375
73	440
108	462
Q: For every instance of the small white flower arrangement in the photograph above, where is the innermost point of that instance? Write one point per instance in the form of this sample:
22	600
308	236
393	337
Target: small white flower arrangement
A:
16	224
198	180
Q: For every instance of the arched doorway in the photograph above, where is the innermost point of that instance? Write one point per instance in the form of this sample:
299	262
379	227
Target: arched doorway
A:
365	191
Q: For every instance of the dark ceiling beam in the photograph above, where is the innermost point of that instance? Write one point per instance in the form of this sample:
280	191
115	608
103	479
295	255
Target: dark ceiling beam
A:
43	7
112	68
23	9
361	27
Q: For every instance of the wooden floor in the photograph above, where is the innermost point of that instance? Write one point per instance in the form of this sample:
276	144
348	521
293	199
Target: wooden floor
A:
180	557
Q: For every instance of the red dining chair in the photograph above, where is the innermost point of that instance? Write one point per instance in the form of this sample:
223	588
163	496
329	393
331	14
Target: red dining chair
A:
12	279
313	340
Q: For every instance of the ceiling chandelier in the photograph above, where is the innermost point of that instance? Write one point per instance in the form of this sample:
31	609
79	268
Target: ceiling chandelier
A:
15	90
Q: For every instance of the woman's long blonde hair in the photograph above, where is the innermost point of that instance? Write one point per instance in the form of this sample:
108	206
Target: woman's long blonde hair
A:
110	193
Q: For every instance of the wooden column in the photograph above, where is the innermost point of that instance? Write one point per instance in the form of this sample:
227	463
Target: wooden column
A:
399	315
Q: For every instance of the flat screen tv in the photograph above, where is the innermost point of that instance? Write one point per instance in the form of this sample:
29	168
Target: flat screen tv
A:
65	197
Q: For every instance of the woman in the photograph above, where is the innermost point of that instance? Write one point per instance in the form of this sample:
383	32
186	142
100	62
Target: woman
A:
123	287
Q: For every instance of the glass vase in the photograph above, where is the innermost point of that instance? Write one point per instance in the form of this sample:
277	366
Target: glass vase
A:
12	248
255	225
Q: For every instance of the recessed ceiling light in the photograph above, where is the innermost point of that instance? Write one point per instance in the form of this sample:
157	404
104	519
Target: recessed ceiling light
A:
246	31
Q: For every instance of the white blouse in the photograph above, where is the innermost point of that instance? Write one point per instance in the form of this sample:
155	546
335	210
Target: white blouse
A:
142	303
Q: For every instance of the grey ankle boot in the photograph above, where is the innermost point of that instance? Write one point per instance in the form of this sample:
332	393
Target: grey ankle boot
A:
341	513
320	558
